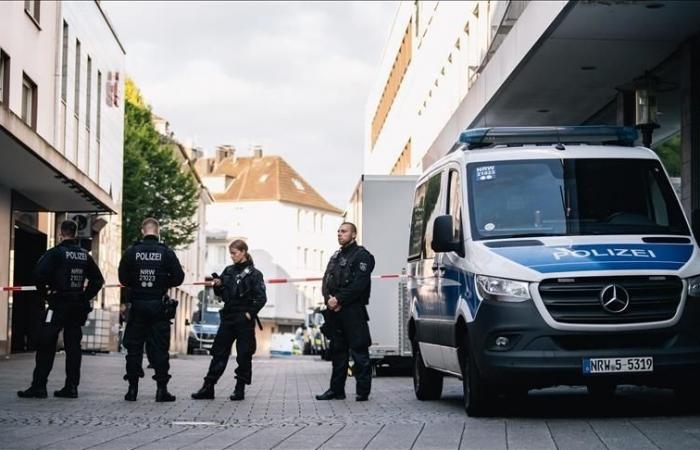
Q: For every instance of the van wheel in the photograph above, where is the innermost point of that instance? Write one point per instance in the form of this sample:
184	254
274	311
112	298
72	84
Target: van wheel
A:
427	383
602	391
477	394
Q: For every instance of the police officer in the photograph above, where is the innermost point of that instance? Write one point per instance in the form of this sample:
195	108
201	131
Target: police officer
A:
242	288
60	278
148	269
346	289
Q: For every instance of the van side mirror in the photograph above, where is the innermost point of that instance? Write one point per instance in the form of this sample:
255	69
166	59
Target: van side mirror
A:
187	322
443	236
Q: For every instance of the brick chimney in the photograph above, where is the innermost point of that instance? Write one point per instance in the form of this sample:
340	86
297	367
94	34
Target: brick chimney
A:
224	151
257	151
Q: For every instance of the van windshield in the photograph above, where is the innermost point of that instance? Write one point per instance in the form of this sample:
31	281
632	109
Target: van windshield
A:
559	197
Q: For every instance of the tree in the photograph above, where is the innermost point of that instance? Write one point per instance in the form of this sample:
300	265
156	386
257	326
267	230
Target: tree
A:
670	153
154	185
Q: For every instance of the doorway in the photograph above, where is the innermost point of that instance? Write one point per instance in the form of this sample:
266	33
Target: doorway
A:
27	307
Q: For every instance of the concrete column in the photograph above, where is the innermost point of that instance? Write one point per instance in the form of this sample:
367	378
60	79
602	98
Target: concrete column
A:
690	127
625	108
5	241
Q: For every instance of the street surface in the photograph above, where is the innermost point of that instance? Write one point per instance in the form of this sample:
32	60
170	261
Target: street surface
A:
280	412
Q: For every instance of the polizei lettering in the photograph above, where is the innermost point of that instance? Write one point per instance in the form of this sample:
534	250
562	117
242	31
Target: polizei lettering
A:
78	256
148	256
563	252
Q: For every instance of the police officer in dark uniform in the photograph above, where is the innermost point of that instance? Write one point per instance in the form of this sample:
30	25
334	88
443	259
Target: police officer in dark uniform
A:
346	289
148	269
60	278
242	288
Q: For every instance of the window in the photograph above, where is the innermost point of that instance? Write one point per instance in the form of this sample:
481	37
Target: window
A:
425	211
98	119
300	300
321	260
32	7
88	80
76	104
454	204
4	78
572	197
299	220
416	234
316	226
64	64
306	258
29	97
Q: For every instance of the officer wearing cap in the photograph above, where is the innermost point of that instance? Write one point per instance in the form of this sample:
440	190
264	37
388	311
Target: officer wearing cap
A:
60	278
346	288
148	269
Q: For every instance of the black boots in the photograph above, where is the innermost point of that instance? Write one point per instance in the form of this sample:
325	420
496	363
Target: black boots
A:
206	392
133	391
162	394
68	391
238	392
330	395
33	392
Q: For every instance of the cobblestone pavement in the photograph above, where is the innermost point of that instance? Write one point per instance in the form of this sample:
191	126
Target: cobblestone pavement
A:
280	412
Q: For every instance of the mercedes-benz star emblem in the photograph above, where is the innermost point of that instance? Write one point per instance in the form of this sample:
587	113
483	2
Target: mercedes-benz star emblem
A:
614	298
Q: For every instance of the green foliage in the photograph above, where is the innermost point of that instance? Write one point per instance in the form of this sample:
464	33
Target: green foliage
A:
670	153
154	185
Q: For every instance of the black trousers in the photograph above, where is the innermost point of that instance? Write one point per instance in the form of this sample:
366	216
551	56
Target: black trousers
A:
147	324
351	338
241	330
70	321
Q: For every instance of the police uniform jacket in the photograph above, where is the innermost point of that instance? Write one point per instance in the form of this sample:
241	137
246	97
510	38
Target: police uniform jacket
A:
348	276
61	273
148	269
242	289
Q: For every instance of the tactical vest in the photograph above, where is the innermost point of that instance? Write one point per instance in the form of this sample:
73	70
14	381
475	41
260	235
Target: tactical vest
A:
339	271
69	277
149	269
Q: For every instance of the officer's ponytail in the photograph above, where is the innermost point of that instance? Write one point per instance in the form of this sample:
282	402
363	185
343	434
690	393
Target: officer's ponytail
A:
241	246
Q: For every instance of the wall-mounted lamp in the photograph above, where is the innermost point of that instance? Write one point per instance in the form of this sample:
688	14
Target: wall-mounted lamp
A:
645	107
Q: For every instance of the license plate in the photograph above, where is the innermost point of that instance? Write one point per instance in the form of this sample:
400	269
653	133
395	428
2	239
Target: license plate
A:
618	365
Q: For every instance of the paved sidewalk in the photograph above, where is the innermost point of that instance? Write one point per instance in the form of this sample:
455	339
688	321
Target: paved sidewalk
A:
280	412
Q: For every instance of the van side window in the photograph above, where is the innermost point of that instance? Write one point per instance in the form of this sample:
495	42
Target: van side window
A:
416	236
454	203
431	212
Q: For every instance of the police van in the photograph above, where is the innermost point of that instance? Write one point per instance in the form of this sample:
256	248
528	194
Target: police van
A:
551	256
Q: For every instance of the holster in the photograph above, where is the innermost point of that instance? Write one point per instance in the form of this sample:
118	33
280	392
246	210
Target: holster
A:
169	307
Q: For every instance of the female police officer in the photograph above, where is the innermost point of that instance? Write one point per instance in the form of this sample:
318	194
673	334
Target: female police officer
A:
242	288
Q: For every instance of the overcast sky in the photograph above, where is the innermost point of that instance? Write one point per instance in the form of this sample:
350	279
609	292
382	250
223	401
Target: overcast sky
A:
292	77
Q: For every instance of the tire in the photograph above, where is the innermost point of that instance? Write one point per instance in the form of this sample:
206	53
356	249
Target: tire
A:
602	391
427	383
477	394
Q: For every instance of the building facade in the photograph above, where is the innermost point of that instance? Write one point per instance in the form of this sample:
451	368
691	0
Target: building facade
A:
448	66
61	136
289	228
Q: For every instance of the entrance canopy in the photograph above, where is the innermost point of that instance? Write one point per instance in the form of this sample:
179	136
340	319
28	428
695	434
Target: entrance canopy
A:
37	171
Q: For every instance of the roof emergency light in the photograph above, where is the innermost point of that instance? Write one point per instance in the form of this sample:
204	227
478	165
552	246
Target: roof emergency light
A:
509	136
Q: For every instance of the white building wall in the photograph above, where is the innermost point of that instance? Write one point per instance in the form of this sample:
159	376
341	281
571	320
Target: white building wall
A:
36	50
32	50
285	240
449	73
102	160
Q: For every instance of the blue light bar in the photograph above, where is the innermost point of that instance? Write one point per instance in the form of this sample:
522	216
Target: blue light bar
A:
589	134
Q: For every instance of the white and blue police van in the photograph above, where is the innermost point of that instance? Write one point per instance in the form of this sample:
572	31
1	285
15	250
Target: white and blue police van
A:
551	256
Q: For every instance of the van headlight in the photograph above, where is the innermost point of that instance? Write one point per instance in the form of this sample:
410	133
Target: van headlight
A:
694	286
501	289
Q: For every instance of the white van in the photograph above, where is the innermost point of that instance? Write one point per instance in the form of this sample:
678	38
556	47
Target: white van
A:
551	256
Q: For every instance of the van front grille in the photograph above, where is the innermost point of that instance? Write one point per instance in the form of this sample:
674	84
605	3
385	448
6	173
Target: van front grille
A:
578	300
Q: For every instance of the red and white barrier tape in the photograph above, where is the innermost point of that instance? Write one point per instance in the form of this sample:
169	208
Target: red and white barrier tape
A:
208	283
